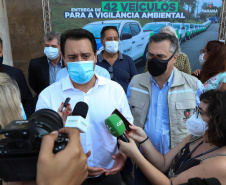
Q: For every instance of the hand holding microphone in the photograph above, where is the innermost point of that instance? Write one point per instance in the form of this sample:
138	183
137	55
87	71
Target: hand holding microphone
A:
116	127
77	120
137	133
65	110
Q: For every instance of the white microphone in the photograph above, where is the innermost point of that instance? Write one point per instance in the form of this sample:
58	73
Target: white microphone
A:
77	120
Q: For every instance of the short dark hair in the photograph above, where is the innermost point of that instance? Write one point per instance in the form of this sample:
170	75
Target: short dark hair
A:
159	37
105	28
1	41
216	111
77	34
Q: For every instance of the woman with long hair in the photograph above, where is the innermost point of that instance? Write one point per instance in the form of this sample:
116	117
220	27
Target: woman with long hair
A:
10	109
9	100
213	71
201	154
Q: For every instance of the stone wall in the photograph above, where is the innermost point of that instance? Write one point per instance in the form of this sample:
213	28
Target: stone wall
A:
26	29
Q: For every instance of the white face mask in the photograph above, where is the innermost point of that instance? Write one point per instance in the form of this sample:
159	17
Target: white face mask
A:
196	126
201	59
111	46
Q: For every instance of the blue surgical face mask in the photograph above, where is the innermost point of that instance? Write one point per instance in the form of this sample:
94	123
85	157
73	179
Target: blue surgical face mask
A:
81	72
51	53
23	112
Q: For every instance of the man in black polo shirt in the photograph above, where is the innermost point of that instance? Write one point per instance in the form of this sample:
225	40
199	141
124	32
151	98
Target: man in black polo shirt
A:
122	69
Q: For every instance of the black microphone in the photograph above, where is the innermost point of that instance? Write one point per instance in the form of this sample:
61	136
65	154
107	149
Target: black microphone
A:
77	120
80	109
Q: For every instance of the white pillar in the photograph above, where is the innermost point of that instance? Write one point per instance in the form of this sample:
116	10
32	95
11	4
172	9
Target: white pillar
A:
4	34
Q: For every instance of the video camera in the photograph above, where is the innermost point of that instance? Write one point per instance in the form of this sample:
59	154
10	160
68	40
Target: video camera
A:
19	150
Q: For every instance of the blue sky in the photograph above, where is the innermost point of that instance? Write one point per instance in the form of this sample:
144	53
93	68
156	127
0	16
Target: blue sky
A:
215	2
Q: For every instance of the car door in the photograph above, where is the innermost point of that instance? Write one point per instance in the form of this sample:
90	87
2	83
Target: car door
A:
138	44
125	46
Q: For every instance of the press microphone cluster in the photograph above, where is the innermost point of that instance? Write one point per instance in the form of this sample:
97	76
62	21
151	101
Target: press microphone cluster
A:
77	120
116	127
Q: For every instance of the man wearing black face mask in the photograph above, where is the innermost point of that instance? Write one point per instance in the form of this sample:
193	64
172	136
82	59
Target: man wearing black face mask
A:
163	98
17	74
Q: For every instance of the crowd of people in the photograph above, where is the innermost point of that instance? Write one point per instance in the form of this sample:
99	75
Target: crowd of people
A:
177	117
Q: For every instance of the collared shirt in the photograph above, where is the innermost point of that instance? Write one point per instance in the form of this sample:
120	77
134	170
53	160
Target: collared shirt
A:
157	124
53	70
102	99
99	70
123	69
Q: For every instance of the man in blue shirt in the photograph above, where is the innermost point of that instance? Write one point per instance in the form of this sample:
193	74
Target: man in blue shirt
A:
163	98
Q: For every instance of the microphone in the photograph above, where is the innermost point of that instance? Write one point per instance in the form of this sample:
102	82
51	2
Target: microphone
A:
77	120
125	121
116	127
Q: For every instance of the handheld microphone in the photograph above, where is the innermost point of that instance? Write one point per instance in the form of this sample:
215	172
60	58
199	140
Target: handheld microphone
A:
77	120
116	127
125	121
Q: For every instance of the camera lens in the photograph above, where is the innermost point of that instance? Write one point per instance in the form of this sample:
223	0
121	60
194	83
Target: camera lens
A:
45	121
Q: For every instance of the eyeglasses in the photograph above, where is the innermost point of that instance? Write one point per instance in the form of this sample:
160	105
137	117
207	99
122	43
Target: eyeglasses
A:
204	51
110	70
197	110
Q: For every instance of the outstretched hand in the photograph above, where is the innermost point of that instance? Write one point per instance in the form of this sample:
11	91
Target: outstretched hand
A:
120	159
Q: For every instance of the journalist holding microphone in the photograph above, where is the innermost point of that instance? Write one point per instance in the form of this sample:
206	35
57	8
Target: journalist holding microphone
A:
52	168
201	154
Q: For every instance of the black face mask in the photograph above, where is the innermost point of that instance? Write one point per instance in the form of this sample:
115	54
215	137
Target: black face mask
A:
1	60
157	67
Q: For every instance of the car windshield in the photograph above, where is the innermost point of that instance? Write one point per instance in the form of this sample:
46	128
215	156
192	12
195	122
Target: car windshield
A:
154	27
95	29
176	26
187	25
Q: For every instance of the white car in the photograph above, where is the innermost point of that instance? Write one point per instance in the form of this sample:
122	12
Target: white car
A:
155	26
133	40
181	30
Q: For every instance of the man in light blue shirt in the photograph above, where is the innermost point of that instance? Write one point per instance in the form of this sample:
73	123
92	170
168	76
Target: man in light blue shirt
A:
163	98
99	70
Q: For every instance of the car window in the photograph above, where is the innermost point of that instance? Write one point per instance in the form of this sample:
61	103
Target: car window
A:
176	26
153	27
126	29
187	25
135	29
